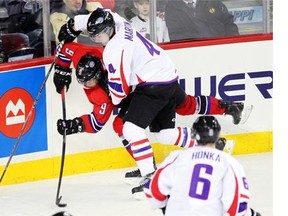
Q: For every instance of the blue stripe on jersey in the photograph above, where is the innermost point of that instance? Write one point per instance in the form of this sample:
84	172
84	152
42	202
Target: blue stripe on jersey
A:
63	58
159	83
96	125
242	207
185	137
116	86
135	151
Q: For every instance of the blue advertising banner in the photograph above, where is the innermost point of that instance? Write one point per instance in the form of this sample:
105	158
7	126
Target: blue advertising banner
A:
18	90
244	15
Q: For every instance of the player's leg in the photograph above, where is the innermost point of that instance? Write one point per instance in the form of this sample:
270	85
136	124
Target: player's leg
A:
210	105
146	109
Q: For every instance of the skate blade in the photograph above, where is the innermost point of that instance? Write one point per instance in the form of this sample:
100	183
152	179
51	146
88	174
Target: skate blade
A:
132	181
229	147
246	113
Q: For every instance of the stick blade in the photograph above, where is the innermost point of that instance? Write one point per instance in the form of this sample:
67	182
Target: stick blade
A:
60	204
246	113
229	147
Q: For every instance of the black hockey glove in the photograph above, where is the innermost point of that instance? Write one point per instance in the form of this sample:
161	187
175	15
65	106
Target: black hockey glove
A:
75	125
62	77
220	143
67	33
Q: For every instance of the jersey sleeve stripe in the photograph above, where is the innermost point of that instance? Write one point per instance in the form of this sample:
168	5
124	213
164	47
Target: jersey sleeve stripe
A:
156	193
233	208
124	81
63	58
115	86
96	125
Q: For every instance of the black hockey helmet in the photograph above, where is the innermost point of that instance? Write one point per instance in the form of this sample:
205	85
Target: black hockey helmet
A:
98	21
88	67
206	129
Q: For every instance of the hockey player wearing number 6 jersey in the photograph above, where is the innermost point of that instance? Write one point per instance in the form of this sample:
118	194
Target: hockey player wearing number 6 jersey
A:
200	180
134	62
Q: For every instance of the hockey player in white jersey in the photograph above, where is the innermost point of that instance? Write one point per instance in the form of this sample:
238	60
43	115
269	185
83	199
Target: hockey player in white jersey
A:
201	180
136	64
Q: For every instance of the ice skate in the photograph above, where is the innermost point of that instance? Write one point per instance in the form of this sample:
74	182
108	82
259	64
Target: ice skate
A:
234	109
138	191
133	177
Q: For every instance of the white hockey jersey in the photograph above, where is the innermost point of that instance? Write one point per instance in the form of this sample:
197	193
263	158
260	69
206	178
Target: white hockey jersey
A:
200	181
131	59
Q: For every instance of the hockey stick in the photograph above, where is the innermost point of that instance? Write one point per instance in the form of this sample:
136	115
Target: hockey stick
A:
28	118
58	198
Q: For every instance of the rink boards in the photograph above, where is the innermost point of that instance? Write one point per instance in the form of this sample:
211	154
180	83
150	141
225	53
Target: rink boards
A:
238	70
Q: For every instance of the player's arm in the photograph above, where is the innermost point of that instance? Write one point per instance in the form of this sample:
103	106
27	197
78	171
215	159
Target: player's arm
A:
62	70
96	120
158	189
119	72
89	123
235	195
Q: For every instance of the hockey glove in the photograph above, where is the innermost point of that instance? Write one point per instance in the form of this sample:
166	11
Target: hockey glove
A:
62	77
67	33
220	143
75	125
118	125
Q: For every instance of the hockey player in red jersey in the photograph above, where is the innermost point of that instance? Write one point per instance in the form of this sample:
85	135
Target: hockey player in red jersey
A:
89	73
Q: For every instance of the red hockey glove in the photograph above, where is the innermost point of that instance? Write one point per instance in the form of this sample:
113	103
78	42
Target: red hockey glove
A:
118	125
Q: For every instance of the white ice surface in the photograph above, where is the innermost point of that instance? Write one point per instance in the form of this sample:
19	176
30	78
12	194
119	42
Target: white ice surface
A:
106	193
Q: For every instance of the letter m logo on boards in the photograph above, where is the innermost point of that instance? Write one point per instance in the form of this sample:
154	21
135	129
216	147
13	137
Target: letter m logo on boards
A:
18	91
15	113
